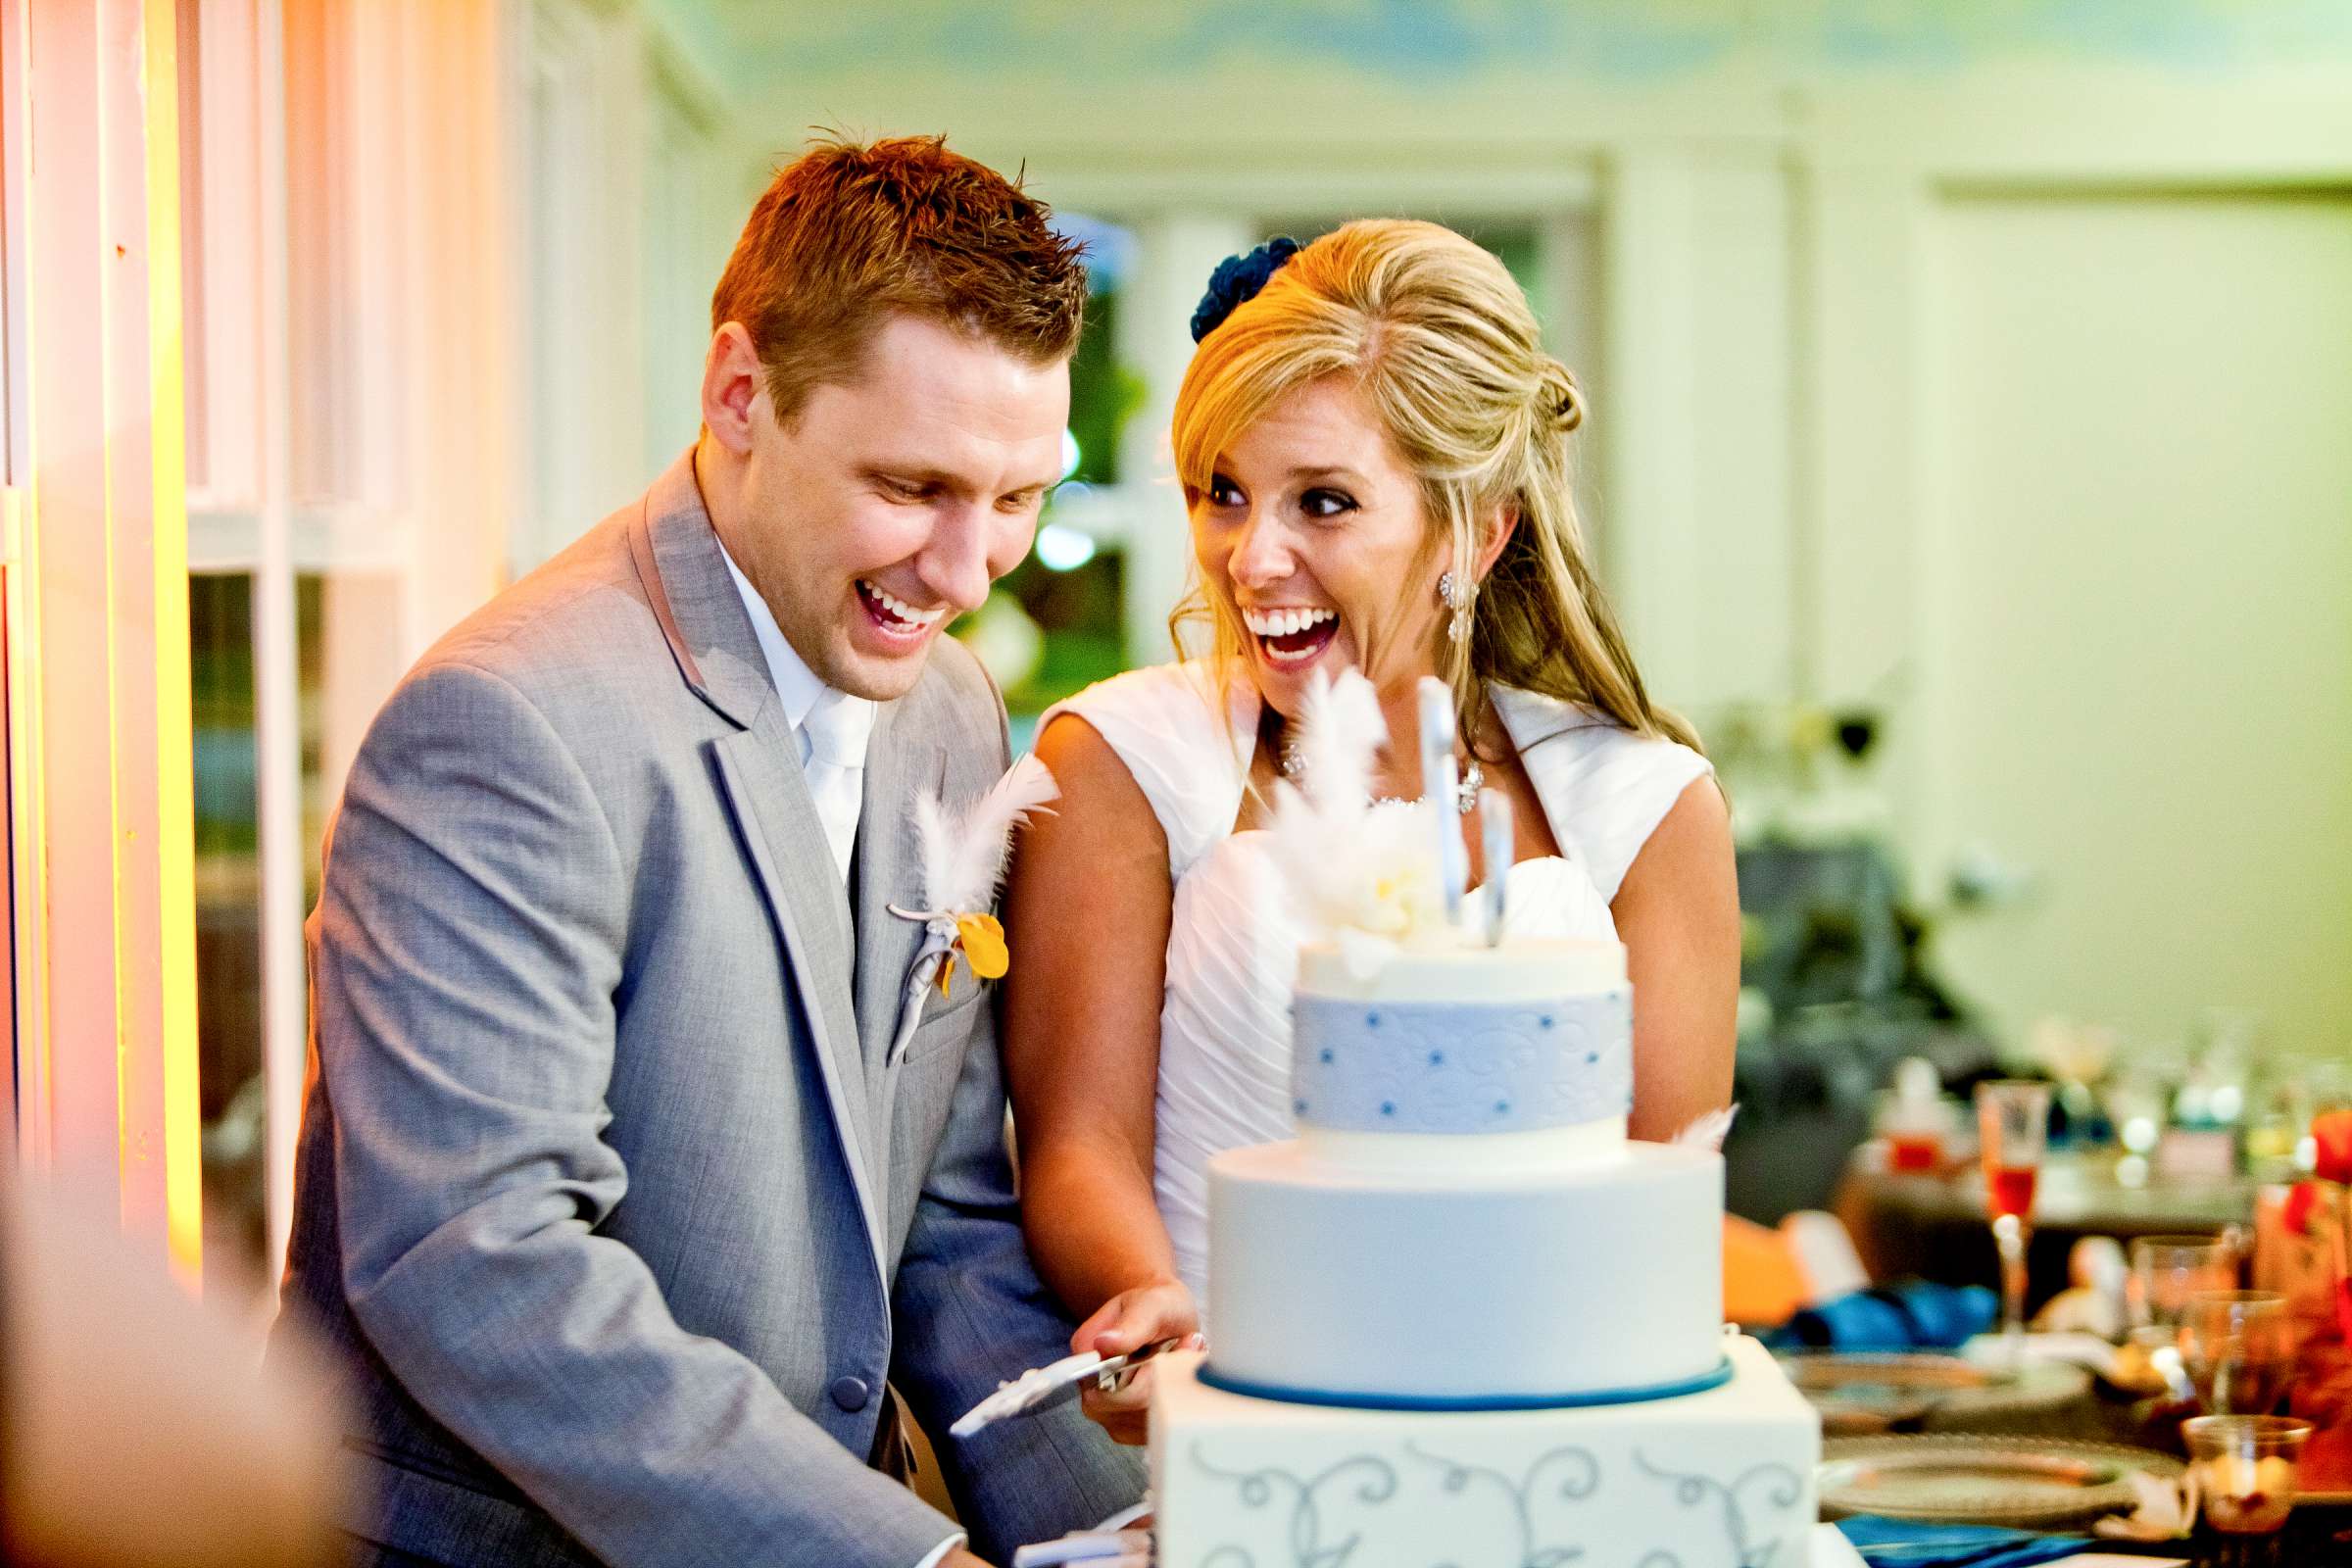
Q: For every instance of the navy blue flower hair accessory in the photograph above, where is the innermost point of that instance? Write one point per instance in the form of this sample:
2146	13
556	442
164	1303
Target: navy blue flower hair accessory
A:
1238	278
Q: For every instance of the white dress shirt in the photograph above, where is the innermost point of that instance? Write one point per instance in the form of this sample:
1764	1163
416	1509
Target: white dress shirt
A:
851	720
811	707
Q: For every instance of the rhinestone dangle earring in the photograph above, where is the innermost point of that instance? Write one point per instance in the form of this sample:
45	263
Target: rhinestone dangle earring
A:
1456	594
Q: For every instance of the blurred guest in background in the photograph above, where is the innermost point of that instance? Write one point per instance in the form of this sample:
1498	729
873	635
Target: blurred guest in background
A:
138	1427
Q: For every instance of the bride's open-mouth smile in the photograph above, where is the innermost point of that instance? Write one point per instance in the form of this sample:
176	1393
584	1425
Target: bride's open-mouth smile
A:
1294	637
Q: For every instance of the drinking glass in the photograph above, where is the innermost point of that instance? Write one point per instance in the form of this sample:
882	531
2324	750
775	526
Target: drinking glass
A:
2246	1468
1916	1132
2238	1349
2167	1270
2013	1119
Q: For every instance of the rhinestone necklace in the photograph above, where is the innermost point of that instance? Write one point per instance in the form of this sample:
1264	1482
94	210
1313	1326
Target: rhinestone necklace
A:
1466	793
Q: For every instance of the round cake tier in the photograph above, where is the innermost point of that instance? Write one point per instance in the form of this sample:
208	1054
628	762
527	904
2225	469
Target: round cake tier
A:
1350	1284
1548	1148
1522	1038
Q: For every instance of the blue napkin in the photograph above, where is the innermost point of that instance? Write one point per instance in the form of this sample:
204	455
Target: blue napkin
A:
1914	1315
1909	1544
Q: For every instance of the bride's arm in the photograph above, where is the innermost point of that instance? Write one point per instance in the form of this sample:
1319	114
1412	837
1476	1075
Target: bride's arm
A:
1678	915
1086	913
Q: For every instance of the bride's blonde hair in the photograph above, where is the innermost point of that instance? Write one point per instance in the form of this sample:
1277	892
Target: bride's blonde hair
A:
1440	339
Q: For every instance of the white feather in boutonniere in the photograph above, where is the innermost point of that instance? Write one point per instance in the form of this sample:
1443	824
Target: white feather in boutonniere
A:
963	856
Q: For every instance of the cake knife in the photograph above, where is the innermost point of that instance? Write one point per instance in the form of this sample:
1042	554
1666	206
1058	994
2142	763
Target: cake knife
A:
1500	845
1095	1548
1440	786
1043	1388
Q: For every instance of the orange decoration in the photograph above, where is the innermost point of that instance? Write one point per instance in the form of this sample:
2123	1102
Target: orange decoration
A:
2331	1131
982	940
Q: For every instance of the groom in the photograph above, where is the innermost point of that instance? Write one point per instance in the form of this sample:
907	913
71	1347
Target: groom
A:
611	1192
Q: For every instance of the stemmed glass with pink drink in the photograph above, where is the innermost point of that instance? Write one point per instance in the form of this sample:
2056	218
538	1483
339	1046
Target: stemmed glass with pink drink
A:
2013	1119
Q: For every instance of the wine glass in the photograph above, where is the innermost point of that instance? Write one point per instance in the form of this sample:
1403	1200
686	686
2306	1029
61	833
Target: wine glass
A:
2238	1349
2168	1270
1915	1132
2013	1119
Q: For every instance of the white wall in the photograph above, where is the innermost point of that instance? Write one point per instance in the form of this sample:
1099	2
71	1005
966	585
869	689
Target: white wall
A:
1946	229
2142	558
627	209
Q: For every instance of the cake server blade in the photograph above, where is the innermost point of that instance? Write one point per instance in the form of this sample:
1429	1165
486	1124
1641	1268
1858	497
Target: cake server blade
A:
1043	1388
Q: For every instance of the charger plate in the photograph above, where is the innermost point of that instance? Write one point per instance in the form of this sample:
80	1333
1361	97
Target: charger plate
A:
1861	1391
1989	1481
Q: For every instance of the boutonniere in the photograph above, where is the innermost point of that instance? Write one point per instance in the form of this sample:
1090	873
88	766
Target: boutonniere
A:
963	859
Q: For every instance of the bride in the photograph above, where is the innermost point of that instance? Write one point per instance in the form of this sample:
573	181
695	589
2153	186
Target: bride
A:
1374	450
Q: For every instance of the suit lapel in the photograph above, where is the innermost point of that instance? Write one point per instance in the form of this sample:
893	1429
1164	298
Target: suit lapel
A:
686	583
888	870
786	843
900	765
758	767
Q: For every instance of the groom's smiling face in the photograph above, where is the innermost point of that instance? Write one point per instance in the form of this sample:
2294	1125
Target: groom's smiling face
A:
892	499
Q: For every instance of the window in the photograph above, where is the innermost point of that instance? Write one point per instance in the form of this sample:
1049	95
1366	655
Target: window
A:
1054	624
379	435
230	1085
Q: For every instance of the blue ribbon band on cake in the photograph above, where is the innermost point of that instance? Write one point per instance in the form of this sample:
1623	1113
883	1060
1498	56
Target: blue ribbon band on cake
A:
1713	1378
1460	1068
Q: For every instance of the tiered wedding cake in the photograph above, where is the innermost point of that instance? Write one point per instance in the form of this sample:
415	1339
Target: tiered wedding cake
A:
1460	1318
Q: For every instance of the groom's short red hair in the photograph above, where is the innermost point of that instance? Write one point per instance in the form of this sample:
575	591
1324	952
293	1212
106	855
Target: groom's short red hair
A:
848	235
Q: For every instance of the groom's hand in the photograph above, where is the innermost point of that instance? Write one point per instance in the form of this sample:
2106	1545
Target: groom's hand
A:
1128	1321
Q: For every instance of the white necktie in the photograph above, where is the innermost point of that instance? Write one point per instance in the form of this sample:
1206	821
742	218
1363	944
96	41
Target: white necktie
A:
833	745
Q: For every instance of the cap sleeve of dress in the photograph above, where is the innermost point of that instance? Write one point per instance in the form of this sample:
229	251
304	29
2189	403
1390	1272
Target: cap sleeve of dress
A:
1182	741
1604	789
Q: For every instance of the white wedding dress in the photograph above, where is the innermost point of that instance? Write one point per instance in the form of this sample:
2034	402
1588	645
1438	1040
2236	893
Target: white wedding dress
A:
1233	944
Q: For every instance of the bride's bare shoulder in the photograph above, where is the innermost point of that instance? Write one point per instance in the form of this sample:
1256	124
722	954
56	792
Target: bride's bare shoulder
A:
1098	787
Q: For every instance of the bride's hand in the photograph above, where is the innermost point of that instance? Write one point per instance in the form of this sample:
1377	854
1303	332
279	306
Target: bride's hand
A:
1128	1321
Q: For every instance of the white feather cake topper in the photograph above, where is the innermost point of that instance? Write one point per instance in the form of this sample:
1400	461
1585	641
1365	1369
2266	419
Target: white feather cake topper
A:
1362	872
1707	1130
963	861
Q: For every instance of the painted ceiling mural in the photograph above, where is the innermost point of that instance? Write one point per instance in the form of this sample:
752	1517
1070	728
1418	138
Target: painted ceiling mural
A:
765	44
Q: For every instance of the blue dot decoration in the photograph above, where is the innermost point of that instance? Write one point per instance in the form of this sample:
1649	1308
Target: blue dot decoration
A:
1503	1108
1298	1106
1371	1021
1436	1058
1326	1056
1387	1107
1592	1057
1543	1022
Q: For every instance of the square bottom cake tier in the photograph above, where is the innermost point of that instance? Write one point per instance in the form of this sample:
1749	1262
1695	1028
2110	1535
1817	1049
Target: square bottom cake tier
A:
1718	1479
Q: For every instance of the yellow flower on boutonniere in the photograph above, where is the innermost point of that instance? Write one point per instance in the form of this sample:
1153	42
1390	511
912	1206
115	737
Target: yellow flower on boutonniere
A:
963	863
980	939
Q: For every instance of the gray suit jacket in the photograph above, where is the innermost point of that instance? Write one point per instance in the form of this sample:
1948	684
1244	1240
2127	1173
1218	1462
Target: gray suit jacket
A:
607	1193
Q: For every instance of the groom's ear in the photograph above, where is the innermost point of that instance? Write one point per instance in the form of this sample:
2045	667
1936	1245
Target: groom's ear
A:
734	387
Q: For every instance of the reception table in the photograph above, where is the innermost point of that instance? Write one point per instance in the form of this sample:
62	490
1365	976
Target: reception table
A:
1932	1226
